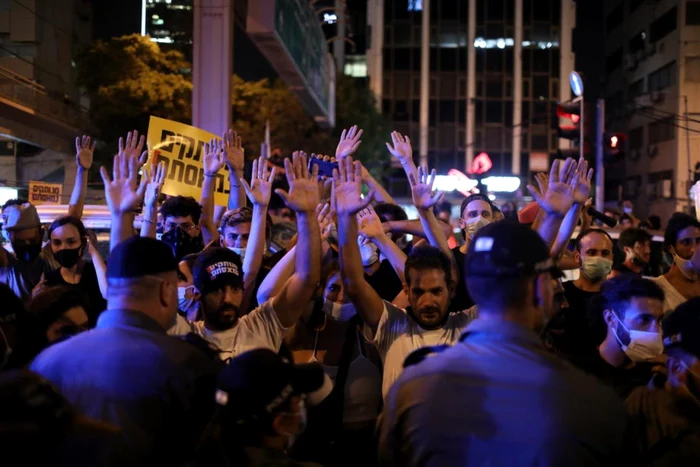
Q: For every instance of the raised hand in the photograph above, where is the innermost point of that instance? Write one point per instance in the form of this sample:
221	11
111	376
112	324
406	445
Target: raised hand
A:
155	178
349	142
542	180
559	196
213	158
133	146
84	151
122	191
260	188
422	189
401	149
581	184
324	215
91	238
303	190
347	188
233	149
370	226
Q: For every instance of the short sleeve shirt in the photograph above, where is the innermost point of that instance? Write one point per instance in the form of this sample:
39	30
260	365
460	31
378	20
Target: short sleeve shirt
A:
259	329
398	335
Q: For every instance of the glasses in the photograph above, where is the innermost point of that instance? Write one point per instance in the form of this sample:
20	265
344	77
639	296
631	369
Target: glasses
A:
186	226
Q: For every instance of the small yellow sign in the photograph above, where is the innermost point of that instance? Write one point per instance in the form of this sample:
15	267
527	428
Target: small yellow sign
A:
44	193
180	147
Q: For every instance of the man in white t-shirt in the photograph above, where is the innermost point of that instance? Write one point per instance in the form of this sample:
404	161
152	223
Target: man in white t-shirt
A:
218	276
395	332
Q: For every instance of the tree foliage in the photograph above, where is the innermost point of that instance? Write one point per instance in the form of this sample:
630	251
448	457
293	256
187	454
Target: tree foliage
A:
129	78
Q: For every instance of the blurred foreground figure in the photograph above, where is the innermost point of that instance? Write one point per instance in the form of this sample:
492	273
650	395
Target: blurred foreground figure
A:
497	397
128	371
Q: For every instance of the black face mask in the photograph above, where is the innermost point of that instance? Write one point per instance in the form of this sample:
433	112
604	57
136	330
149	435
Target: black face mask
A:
27	253
182	243
67	257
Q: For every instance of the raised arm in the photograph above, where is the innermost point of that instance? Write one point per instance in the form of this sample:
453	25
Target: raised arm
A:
258	192
424	199
581	188
402	150
557	201
149	215
347	185
415	228
233	149
98	262
303	199
84	150
371	228
122	191
213	161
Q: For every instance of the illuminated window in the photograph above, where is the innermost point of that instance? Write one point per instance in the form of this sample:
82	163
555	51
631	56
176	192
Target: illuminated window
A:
415	5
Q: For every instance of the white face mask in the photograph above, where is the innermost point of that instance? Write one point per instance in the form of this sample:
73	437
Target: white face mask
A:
686	267
239	251
643	346
368	252
339	311
474	224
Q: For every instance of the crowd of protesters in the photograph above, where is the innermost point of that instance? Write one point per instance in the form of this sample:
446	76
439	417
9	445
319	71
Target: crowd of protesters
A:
368	339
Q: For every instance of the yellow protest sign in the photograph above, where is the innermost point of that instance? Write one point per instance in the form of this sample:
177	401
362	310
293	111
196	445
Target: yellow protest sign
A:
45	193
180	147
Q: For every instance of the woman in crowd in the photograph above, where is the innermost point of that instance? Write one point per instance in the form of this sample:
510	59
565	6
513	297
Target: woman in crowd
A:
69	241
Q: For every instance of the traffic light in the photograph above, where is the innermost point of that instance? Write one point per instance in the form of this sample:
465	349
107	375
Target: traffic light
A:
612	147
570	115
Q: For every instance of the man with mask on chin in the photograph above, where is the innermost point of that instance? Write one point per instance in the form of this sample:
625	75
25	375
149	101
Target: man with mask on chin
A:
668	418
630	354
26	268
682	281
394	331
569	333
219	279
497	396
635	243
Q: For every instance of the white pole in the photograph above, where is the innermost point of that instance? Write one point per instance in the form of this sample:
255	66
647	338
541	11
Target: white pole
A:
471	84
599	167
375	20
424	82
517	87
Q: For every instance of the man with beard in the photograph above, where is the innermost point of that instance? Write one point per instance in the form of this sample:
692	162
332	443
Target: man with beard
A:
394	331
498	397
569	333
682	281
218	277
635	243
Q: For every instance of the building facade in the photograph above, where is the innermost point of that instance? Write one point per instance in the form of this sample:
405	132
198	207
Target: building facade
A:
653	66
396	48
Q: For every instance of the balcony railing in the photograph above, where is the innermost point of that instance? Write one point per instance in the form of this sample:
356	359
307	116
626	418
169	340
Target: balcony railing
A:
31	94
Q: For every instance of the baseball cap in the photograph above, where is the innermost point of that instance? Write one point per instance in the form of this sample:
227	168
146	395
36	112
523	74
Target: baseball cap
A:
507	248
681	327
216	267
138	257
21	217
257	383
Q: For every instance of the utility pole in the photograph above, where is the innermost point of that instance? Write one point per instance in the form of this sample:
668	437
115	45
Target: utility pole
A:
687	144
599	167
517	88
424	83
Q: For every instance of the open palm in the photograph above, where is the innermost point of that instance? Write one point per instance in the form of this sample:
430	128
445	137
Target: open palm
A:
582	182
422	189
347	188
233	149
155	180
260	188
213	158
84	151
122	191
303	188
349	142
401	148
370	225
559	196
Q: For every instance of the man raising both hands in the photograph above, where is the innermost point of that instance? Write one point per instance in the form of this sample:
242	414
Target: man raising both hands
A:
395	332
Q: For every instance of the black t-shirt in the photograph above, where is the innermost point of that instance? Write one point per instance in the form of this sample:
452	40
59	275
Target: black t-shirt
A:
571	331
622	269
88	286
385	281
622	380
461	301
268	263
